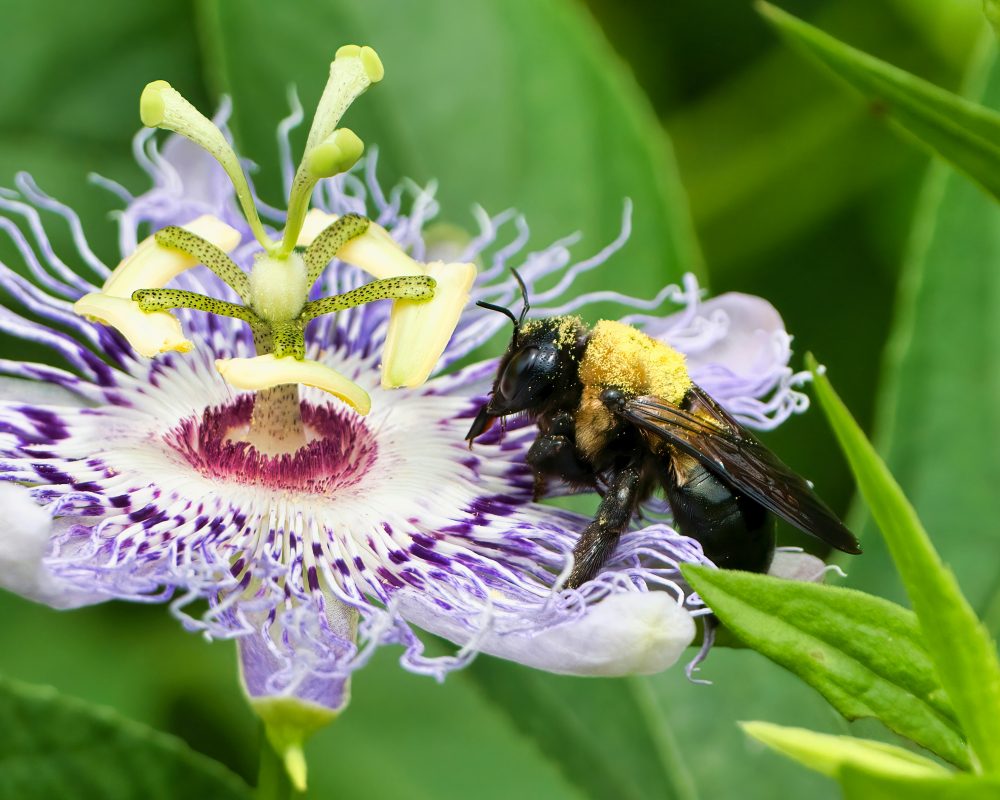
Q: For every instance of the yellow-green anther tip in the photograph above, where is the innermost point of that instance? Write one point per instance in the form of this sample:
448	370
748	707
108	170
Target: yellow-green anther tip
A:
151	105
370	61
372	64
337	154
347	51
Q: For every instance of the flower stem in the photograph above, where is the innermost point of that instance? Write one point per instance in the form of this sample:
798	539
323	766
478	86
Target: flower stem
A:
272	778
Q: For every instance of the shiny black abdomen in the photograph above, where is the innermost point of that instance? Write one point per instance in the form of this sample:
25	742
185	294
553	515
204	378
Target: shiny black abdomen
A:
735	531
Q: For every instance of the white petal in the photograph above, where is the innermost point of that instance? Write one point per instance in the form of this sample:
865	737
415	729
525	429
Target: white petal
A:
266	372
419	331
24	538
18	390
748	346
797	566
631	633
150	334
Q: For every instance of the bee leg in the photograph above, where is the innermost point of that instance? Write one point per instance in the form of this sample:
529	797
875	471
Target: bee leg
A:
601	536
555	456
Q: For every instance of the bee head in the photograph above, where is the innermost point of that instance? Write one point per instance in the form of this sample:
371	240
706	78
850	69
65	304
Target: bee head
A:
540	365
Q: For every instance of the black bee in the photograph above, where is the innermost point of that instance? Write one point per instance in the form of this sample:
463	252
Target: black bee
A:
618	413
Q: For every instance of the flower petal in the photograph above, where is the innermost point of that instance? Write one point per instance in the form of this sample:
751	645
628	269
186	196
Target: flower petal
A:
24	542
419	331
630	633
150	267
268	371
149	334
747	345
797	566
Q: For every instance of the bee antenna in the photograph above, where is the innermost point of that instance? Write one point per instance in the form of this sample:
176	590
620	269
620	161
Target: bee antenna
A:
505	311
524	294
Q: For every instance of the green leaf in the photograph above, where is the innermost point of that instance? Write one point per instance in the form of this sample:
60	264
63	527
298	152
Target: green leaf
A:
608	736
859	783
518	103
964	133
55	746
939	405
960	646
830	754
865	655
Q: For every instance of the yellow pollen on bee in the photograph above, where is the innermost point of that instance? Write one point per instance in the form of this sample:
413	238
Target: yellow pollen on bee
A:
625	358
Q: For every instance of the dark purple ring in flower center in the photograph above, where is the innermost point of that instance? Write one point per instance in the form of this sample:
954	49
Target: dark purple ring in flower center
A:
340	452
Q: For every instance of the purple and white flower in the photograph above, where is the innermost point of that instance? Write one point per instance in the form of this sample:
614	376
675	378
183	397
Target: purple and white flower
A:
127	478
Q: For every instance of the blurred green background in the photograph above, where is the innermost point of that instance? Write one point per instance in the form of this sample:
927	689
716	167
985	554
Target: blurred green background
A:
795	190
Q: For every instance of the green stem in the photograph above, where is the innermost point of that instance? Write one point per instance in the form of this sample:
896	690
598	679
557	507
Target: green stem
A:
272	779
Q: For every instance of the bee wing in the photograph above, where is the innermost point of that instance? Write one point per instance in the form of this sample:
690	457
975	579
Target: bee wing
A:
708	433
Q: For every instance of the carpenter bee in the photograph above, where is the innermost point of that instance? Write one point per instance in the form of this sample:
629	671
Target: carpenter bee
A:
617	413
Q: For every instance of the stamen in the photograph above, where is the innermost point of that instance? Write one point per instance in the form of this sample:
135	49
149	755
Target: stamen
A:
352	71
268	371
206	253
410	287
324	248
336	154
162	106
150	300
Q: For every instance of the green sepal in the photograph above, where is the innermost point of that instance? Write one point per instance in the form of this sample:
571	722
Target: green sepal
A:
288	722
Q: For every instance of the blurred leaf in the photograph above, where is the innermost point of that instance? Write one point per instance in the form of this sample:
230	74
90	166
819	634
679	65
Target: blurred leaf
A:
865	655
830	754
69	103
964	133
865	784
517	103
960	646
55	746
608	736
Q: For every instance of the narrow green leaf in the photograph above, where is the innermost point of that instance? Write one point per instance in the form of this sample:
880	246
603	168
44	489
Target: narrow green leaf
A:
865	655
55	746
859	783
963	652
607	735
964	133
830	754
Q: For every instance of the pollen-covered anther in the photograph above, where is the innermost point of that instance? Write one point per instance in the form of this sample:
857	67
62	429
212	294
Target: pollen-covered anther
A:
268	371
151	266
418	330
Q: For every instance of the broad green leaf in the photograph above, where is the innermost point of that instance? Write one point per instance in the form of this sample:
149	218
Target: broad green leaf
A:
960	646
964	133
507	104
862	653
859	783
69	103
830	754
55	746
608	736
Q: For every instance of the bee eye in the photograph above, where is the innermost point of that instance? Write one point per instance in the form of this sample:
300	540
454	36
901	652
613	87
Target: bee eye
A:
515	371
